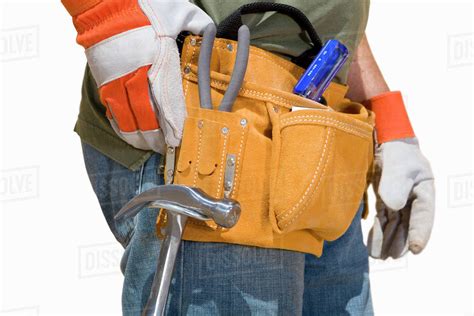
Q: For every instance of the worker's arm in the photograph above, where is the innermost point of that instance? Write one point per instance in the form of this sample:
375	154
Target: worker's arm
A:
367	85
403	181
365	78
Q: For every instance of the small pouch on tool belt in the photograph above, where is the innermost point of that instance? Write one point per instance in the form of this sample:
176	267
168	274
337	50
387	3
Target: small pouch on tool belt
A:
213	141
299	176
320	160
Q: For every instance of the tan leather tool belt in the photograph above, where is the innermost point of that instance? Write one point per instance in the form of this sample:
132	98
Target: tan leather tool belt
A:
299	176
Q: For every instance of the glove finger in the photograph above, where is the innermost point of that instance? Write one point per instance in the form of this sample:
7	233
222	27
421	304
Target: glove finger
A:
375	237
394	187
114	96
389	232
139	96
122	118
422	215
399	245
167	91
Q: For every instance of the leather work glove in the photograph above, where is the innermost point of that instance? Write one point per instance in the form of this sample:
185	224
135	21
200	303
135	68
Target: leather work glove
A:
133	56
403	184
404	187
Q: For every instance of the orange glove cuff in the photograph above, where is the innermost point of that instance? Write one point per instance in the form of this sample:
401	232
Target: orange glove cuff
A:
75	7
99	20
391	117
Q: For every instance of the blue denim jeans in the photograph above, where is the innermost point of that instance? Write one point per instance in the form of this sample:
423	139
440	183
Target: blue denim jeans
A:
225	279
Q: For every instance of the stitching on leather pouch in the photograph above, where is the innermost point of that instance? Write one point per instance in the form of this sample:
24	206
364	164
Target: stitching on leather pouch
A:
303	208
237	168
224	149
221	44
266	96
362	129
287	213
363	126
336	123
198	157
187	64
193	221
259	56
270	97
344	128
245	91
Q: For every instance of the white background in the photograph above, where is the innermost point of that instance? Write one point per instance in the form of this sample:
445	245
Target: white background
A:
56	253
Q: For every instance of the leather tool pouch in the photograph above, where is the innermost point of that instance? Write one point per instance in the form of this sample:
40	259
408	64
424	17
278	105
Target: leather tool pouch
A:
320	161
299	176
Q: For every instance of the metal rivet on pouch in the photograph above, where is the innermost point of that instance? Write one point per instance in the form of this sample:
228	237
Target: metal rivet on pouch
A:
230	47
201	124
228	185
231	162
193	42
225	130
243	122
170	150
187	69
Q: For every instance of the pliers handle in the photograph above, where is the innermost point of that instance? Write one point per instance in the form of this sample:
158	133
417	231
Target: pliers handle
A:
204	68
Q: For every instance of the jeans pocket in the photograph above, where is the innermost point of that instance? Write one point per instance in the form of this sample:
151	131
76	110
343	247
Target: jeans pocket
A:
114	185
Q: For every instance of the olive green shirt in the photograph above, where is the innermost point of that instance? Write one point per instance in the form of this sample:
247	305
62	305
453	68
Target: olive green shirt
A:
344	20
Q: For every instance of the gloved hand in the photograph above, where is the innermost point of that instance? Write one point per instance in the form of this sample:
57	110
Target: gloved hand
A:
133	56
404	187
403	183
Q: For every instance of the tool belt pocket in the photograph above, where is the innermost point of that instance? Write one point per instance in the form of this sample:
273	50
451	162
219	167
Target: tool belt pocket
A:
211	153
320	160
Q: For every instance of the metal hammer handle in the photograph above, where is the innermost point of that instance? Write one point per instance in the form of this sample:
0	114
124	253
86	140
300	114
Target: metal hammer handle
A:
160	288
180	202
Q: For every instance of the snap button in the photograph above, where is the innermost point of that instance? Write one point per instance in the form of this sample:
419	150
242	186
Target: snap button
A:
225	130
187	69
230	47
243	122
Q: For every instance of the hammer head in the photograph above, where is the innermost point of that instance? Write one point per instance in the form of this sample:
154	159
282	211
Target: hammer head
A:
191	202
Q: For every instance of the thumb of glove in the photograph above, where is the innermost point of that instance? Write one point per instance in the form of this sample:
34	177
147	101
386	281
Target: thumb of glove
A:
394	187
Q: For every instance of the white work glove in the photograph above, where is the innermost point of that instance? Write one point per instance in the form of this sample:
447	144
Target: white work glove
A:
137	66
404	187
